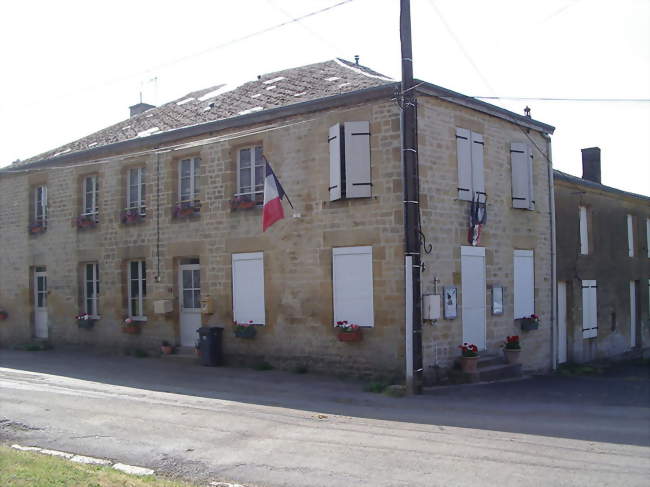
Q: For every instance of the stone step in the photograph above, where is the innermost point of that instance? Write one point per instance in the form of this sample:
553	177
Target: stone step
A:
488	360
499	372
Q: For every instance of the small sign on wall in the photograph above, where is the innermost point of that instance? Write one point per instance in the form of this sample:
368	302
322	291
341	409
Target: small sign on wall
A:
450	302
497	300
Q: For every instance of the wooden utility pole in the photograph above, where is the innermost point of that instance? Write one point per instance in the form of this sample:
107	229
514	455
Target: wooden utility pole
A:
408	105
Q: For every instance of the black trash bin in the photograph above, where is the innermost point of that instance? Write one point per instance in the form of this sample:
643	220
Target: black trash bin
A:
210	345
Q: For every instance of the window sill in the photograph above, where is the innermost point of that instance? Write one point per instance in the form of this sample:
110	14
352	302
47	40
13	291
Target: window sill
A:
138	318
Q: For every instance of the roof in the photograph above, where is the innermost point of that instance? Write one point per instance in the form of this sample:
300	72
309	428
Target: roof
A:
562	176
291	91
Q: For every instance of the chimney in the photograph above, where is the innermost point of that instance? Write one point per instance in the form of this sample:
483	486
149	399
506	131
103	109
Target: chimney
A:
139	108
591	164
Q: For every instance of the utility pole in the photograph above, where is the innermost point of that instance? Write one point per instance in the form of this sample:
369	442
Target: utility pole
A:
411	207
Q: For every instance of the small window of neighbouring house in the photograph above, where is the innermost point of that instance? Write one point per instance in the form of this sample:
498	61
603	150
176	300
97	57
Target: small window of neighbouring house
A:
188	180
248	288
137	288
89	196
91	288
135	190
471	179
584	230
250	173
524	283
589	309
352	284
521	157
630	235
349	145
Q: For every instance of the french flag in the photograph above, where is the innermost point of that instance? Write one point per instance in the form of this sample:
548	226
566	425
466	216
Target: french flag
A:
273	194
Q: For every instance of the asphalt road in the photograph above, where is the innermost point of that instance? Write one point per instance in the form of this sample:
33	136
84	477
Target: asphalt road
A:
275	428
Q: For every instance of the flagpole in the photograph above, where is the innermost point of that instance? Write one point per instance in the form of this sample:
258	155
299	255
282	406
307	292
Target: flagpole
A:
285	193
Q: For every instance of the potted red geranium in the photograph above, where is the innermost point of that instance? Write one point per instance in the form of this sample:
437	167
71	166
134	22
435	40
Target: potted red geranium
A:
468	357
130	326
512	349
348	332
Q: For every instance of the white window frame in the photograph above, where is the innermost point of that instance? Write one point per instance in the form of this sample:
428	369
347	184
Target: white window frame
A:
194	163
584	230
630	235
138	204
93	309
40	207
243	311
89	210
254	194
141	279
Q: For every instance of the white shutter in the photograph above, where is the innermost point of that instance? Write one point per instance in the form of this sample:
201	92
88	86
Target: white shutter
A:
472	269
589	309
248	288
647	235
478	177
464	151
353	285
524	283
584	235
334	140
357	160
630	236
632	314
531	182
520	175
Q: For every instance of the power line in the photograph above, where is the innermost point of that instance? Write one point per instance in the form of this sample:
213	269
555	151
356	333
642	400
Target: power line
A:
594	100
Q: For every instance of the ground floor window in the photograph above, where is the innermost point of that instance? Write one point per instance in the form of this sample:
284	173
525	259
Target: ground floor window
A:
91	288
137	282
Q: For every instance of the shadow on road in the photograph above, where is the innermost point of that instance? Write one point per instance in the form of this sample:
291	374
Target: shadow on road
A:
612	407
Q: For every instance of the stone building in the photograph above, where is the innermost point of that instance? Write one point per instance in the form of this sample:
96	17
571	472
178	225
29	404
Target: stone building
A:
603	266
157	218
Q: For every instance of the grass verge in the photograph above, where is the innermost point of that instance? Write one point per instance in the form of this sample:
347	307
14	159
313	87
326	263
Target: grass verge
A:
29	469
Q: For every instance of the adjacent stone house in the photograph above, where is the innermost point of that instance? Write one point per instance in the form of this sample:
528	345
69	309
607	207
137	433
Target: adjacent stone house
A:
603	266
157	218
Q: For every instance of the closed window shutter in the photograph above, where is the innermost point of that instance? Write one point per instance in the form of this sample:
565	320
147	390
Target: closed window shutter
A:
353	285
630	236
357	160
248	288
589	309
334	140
584	234
520	175
524	283
531	186
478	177
464	154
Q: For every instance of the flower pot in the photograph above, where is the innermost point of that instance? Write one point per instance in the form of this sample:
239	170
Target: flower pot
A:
166	349
512	355
245	332
131	329
528	324
350	336
469	364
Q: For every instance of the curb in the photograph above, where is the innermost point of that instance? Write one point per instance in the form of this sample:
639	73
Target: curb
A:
130	469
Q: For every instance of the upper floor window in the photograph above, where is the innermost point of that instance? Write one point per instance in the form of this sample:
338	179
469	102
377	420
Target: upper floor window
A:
250	173
135	190
90	190
630	235
91	288
471	180
40	204
521	158
350	175
188	180
584	230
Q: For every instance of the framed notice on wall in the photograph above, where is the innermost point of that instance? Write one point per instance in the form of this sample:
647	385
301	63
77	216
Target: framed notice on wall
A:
497	300
450	302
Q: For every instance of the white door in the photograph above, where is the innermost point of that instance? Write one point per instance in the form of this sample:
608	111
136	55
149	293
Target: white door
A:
40	304
472	268
190	303
561	322
632	314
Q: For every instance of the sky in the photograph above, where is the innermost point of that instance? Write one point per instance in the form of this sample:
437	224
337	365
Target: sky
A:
71	67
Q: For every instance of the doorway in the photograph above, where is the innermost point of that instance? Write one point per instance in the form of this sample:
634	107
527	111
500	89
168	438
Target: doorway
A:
189	276
40	303
472	268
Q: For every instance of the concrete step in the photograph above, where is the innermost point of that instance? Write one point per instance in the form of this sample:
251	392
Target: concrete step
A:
499	372
488	360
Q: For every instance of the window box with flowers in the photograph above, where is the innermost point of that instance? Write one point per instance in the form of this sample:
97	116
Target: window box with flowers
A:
86	221
130	326
187	209
245	330
468	358
529	323
37	227
86	321
133	216
244	202
348	332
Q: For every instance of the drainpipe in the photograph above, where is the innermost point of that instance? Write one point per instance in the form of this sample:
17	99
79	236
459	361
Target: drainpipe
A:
551	192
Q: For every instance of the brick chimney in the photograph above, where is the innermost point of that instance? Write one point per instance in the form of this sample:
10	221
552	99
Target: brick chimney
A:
591	164
140	108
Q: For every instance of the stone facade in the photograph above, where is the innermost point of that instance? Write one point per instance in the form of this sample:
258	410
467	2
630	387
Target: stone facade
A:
297	250
606	261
